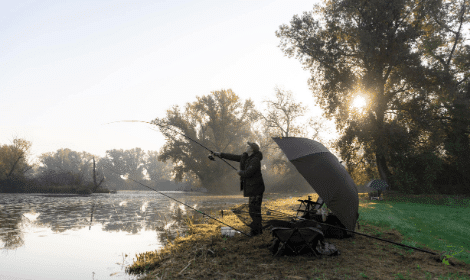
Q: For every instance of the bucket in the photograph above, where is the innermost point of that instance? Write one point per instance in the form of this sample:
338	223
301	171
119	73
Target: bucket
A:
228	231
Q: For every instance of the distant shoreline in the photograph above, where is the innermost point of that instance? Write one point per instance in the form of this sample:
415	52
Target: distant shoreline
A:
65	195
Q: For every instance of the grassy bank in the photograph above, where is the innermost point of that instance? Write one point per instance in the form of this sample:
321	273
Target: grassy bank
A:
204	253
440	222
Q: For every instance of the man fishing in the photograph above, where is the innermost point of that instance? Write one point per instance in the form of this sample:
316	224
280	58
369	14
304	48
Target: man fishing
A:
251	181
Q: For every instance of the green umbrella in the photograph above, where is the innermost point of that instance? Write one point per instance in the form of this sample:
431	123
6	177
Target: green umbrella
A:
378	185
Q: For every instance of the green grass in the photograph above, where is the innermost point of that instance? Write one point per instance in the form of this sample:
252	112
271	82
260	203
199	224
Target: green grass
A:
443	227
448	200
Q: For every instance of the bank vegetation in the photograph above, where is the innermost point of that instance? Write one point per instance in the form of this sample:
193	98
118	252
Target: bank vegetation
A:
203	253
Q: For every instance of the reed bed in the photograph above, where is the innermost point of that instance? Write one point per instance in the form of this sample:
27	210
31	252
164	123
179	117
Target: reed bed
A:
202	253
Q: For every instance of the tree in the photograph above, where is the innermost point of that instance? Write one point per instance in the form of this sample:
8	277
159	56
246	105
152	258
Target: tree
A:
100	178
14	163
156	170
134	161
282	113
67	160
14	159
65	167
280	119
120	165
446	52
363	48
219	121
62	159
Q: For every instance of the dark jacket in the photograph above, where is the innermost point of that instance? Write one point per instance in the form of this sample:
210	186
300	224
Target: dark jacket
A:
251	180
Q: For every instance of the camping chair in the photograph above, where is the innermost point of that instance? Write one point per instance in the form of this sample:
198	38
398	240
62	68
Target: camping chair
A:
375	195
296	240
310	207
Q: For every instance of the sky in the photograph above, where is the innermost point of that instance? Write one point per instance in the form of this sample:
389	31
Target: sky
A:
68	68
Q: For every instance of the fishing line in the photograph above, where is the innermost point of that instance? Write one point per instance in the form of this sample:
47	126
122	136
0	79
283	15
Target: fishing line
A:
166	127
181	202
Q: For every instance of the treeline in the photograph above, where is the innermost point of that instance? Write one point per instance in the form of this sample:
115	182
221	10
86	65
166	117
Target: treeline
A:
220	121
67	171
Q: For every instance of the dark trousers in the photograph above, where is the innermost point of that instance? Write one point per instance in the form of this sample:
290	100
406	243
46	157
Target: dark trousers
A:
255	212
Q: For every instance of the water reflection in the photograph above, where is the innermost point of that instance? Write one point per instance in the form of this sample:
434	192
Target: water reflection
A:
131	213
10	231
98	230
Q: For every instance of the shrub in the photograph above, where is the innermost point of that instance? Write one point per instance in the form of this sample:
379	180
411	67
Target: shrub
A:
416	173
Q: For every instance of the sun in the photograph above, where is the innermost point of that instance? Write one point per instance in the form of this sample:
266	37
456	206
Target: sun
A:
359	102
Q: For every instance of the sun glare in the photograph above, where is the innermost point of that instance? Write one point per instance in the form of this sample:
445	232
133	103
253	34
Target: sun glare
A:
359	102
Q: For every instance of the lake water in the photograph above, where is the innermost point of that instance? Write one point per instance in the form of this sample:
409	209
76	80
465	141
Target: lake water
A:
94	237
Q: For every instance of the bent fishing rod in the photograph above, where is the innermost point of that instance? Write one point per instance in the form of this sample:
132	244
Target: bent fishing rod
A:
180	202
184	135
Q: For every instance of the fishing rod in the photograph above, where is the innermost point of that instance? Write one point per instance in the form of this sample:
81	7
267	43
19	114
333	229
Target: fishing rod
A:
181	203
370	236
341	228
166	127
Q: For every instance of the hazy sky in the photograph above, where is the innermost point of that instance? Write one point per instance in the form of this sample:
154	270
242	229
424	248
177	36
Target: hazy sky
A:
69	67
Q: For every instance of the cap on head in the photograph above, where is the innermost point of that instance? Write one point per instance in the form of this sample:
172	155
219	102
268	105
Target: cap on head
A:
254	146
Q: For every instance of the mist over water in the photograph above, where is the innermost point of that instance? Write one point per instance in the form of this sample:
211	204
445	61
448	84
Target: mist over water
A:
94	237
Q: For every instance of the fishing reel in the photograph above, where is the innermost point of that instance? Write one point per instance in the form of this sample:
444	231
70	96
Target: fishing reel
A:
211	157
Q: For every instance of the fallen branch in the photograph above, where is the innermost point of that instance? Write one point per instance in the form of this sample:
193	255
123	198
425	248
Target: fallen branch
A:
186	266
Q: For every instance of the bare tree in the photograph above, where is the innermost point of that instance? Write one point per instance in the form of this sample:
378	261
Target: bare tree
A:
282	113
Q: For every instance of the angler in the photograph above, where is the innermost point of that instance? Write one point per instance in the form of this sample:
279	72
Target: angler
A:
251	181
